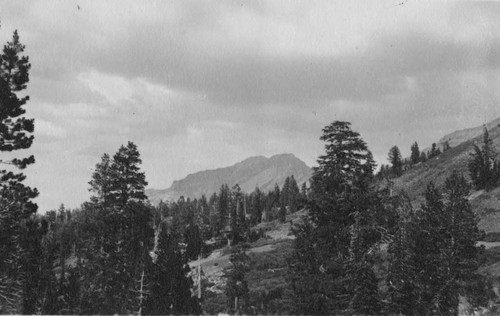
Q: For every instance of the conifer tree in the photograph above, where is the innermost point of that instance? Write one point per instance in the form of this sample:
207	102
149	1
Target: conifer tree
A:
401	279
483	167
429	242
236	285
415	153
364	285
15	197
101	181
340	188
303	191
223	208
294	195
435	151
282	214
446	255
396	161
170	285
423	157
257	204
127	182
118	252
194	242
285	193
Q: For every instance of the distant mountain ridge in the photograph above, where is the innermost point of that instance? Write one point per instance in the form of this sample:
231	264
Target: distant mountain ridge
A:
460	136
250	173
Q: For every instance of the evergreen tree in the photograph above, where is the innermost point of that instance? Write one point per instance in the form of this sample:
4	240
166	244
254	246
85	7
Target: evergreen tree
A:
434	151
415	153
236	284
117	254
194	242
429	242
15	197
401	279
460	254
340	188
364	285
423	157
285	194
483	167
303	191
170	285
101	181
223	208
294	195
257	204
127	182
446	146
276	196
446	255
396	161
282	214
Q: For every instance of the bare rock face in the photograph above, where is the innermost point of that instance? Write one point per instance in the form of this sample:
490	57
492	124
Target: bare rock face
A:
250	173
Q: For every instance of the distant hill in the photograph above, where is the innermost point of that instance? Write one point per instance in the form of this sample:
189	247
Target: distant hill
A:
464	135
485	204
250	173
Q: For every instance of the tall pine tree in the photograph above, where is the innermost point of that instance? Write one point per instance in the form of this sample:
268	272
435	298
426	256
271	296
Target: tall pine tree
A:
170	285
15	198
483	167
340	189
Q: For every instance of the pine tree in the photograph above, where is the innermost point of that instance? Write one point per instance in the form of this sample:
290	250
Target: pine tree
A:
461	256
435	151
365	298
194	242
429	242
223	208
293	200
423	157
285	194
401	279
236	285
483	165
446	256
128	183
340	188
344	172
257	204
15	197
282	214
396	161
415	153
303	191
101	181
170	285
117	256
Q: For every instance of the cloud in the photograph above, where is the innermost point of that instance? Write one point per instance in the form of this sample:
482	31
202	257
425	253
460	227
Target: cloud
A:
203	84
49	130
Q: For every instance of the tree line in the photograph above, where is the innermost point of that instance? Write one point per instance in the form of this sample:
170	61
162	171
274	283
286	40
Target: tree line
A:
397	164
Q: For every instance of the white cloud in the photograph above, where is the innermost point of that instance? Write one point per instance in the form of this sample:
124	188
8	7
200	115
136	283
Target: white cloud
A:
203	84
49	129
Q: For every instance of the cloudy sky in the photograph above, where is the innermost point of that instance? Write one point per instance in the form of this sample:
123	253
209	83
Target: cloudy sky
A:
205	84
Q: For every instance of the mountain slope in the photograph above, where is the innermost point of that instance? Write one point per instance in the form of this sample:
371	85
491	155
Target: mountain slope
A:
485	204
250	173
467	134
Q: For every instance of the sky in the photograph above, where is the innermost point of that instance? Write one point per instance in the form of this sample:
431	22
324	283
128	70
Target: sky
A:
204	84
